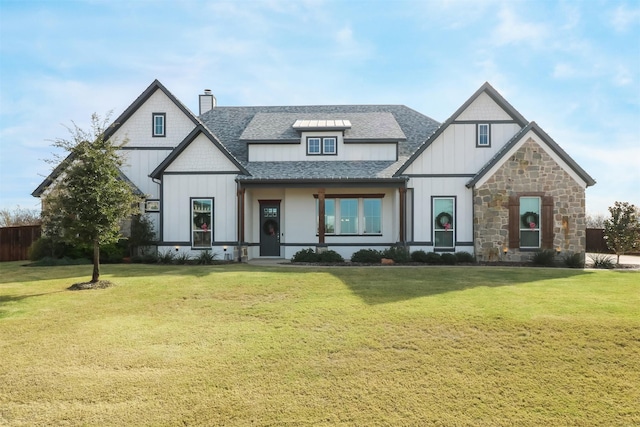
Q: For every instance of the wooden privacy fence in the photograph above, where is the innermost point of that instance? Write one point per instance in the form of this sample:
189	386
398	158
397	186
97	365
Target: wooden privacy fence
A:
15	241
596	242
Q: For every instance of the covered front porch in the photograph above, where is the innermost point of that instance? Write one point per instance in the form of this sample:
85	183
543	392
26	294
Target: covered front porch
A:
277	219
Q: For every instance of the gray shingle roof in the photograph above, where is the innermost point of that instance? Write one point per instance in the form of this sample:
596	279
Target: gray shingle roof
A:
370	126
315	170
398	122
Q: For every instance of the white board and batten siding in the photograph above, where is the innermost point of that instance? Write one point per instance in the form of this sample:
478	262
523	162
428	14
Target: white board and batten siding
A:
423	191
200	171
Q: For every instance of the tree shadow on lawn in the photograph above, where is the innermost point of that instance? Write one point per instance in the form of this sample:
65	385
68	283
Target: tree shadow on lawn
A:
380	286
6	300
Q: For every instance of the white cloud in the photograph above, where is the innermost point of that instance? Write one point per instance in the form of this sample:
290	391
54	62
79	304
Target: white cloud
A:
622	76
512	30
622	18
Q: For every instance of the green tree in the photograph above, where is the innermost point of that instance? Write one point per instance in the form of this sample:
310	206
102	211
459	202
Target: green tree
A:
90	199
622	230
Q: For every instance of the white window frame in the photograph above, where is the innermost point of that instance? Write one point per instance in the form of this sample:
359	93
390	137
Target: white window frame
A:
360	217
479	142
152	205
163	117
522	227
437	228
322	146
196	228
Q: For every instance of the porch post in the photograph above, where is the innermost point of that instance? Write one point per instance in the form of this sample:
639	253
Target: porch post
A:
242	247
403	204
321	225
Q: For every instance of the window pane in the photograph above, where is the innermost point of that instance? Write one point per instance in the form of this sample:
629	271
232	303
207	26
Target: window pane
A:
443	239
529	213
158	125
330	216
372	216
313	145
443	222
529	239
483	134
443	214
329	145
348	216
201	213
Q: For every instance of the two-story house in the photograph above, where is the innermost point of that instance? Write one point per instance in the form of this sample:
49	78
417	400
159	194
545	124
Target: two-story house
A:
269	181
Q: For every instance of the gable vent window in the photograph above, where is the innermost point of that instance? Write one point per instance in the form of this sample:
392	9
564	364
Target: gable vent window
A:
159	124
484	135
317	146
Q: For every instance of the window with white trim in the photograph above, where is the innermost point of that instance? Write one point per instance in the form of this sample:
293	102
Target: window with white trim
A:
484	135
158	124
358	216
444	222
530	222
201	223
322	145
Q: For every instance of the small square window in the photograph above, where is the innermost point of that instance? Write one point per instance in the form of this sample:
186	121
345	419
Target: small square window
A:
313	146
484	135
159	127
328	145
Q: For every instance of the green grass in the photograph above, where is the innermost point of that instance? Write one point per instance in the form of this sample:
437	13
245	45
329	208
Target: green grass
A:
270	346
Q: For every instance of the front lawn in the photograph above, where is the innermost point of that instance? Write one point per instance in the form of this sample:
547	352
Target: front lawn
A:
239	345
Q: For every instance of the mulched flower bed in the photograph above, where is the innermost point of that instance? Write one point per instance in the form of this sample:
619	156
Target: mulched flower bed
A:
100	284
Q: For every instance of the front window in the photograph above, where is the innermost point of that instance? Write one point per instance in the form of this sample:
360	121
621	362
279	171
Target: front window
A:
443	222
372	216
348	216
529	222
354	215
322	146
159	124
484	135
201	222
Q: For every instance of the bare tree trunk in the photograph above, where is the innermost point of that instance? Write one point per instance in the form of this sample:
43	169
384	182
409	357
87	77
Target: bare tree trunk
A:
96	261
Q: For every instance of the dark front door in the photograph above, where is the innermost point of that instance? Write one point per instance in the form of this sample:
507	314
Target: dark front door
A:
270	228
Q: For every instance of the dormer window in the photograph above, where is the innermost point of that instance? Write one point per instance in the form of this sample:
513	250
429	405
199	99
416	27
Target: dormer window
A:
322	145
158	124
484	135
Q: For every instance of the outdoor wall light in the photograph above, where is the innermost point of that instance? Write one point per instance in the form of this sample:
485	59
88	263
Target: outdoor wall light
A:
505	250
177	248
558	250
224	248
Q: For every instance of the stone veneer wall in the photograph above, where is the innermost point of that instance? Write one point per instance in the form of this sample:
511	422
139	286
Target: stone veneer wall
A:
530	169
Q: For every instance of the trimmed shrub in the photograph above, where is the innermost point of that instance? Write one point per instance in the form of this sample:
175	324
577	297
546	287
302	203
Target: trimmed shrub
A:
330	256
305	255
419	256
151	258
602	261
182	258
166	257
398	254
46	247
545	258
464	258
113	252
51	262
367	256
205	258
448	258
574	261
433	258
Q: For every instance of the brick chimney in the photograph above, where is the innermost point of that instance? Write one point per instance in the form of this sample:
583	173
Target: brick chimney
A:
207	101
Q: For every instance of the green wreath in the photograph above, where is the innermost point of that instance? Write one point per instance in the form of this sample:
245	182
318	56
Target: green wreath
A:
442	219
530	217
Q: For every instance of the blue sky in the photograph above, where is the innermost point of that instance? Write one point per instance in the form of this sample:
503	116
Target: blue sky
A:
571	66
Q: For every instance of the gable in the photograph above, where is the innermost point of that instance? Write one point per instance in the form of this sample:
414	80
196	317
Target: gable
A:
201	155
138	128
546	150
483	108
